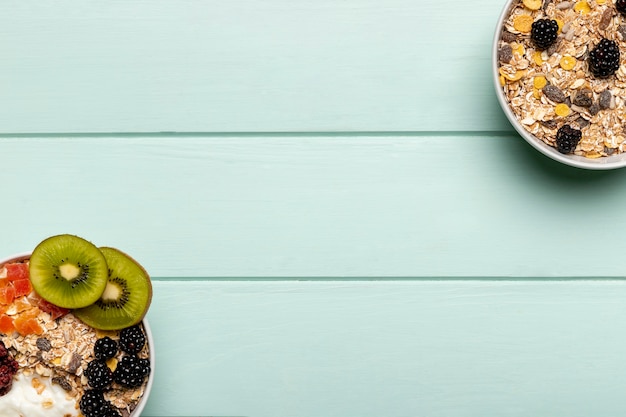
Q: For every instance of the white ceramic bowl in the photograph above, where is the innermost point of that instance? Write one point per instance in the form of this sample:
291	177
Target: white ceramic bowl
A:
144	399
603	163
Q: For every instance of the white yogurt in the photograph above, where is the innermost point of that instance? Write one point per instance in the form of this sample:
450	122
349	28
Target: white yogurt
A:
24	401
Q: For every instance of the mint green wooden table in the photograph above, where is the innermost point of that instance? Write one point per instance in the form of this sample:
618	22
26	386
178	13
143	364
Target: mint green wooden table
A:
337	216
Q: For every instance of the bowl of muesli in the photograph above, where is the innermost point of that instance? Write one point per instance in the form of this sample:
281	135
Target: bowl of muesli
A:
560	78
53	364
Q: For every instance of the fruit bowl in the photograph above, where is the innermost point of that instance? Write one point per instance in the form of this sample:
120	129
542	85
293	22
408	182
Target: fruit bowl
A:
543	88
136	405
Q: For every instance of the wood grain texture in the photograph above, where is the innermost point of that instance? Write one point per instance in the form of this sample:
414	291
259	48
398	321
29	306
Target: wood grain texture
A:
247	66
317	206
396	349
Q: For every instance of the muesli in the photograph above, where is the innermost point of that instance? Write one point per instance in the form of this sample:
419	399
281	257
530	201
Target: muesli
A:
562	72
52	363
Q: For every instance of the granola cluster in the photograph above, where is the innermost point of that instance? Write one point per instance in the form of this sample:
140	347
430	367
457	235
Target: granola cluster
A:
552	88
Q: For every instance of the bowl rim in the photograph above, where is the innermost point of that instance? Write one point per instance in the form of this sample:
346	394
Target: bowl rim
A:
147	330
603	163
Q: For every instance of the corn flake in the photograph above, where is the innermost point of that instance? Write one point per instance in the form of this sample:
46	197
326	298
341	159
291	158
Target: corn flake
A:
568	62
582	7
523	23
539	82
512	77
562	110
532	4
518	48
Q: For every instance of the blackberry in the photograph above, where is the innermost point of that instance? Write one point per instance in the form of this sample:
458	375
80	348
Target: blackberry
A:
567	138
620	5
98	374
93	404
604	58
131	371
543	33
105	348
132	339
112	412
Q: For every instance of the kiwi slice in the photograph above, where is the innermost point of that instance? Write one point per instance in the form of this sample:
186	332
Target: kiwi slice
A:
125	299
68	271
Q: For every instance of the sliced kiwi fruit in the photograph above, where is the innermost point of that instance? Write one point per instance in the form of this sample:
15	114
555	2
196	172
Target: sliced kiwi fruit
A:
126	298
68	271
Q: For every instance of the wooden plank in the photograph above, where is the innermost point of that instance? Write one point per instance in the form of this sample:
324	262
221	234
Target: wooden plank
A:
317	206
460	348
243	65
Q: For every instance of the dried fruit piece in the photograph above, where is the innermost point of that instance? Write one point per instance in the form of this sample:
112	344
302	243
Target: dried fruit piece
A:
508	36
562	110
26	326
554	93
523	23
22	287
568	62
583	98
7	294
505	53
17	271
6	324
605	20
604	101
8	368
